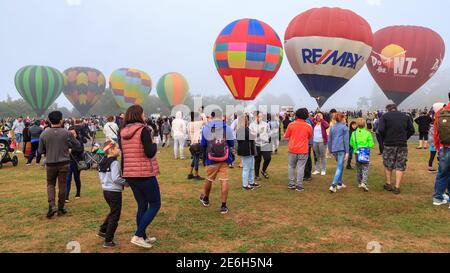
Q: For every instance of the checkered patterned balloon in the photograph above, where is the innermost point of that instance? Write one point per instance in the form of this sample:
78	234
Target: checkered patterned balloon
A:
248	53
130	86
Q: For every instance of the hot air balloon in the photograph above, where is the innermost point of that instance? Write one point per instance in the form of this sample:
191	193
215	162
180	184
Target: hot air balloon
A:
39	86
173	89
404	58
248	54
83	86
326	47
130	86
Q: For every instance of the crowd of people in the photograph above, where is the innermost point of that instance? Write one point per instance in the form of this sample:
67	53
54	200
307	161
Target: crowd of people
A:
220	143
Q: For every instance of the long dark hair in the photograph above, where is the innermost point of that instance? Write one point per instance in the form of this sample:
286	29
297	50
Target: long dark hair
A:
133	115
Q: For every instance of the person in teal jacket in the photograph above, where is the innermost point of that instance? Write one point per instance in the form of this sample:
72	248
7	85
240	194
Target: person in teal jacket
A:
361	138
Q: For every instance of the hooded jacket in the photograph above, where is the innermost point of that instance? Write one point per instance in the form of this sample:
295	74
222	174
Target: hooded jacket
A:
136	162
179	126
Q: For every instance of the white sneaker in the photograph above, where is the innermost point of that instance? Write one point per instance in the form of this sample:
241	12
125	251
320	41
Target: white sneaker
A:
315	173
439	203
341	187
323	173
140	242
333	189
150	240
364	187
446	197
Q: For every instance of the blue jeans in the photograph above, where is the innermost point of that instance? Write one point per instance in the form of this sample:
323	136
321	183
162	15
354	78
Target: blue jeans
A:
248	171
340	156
73	169
34	152
148	198
350	156
195	161
18	138
443	177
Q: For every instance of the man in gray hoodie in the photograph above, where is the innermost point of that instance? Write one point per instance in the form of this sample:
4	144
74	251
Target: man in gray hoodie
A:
55	143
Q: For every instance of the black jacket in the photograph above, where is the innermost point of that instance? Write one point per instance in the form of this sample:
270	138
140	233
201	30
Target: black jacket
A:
424	123
246	142
395	129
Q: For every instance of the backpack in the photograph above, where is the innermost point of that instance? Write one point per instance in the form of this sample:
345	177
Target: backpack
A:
217	149
444	127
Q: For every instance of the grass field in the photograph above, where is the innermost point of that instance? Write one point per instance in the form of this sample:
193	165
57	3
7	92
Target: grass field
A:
271	219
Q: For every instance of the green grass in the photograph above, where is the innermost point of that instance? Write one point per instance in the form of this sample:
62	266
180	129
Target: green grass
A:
270	219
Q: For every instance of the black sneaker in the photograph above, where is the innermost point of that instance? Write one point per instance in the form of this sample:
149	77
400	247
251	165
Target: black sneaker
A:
292	187
223	210
204	201
396	191
101	235
62	212
199	178
190	177
299	189
307	179
164	144
266	175
255	185
248	188
111	244
387	187
349	167
51	212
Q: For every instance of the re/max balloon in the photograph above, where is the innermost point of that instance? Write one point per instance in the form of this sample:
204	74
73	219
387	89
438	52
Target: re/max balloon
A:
404	58
39	86
83	87
326	47
173	89
247	54
130	86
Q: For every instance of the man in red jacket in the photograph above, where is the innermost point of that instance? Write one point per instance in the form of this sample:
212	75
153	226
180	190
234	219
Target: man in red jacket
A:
442	125
298	133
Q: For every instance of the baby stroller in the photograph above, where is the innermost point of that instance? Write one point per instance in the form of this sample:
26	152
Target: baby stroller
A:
94	157
5	150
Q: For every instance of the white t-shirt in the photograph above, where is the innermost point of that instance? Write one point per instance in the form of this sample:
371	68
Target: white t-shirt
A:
318	138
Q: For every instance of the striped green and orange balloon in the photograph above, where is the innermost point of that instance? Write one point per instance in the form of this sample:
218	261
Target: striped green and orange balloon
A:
39	86
173	89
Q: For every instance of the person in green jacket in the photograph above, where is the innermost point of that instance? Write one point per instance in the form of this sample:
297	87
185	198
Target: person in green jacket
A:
361	138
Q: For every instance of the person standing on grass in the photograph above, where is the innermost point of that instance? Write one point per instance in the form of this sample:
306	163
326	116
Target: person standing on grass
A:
298	133
361	138
166	128
433	151
140	170
352	127
35	132
18	127
179	135
423	121
320	142
26	147
111	130
217	141
246	150
377	134
274	126
395	129
261	129
55	143
113	186
338	146
195	129
76	155
442	143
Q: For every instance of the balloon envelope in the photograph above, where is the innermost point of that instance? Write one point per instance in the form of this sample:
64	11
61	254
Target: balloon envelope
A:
326	47
173	89
248	54
130	86
83	86
39	86
404	58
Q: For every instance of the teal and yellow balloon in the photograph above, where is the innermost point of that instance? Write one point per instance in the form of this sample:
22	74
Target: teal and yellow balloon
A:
173	89
83	87
39	86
